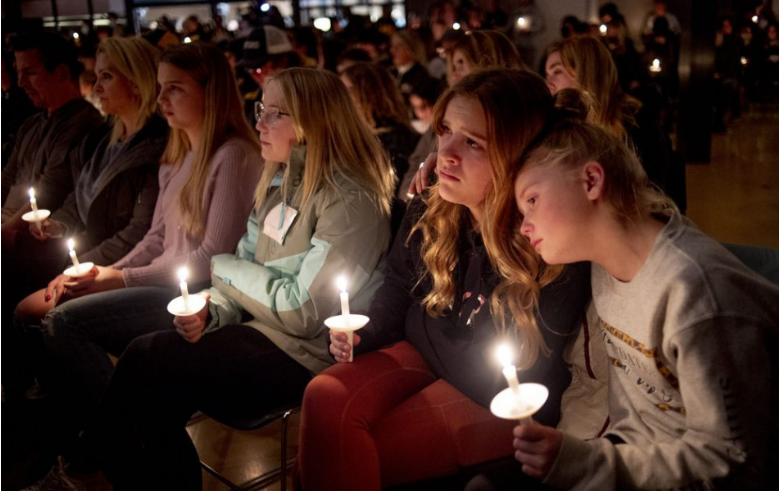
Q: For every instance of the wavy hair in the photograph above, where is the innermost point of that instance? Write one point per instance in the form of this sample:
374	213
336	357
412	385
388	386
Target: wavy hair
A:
516	104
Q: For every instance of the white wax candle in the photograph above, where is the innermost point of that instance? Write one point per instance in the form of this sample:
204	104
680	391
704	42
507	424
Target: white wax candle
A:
34	206
509	369
33	202
183	285
72	253
342	284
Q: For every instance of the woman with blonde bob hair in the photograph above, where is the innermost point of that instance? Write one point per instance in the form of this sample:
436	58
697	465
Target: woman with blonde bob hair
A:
322	211
680	317
381	420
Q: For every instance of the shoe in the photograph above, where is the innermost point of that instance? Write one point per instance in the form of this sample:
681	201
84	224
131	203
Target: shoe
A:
58	480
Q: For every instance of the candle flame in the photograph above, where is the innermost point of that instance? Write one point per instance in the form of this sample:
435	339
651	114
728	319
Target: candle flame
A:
656	63
603	28
32	193
70	244
504	355
183	274
342	284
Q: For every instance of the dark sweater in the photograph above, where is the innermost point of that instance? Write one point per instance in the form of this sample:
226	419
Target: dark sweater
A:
460	346
120	214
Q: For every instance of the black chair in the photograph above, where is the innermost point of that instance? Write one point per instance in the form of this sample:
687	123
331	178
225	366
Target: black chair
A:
252	423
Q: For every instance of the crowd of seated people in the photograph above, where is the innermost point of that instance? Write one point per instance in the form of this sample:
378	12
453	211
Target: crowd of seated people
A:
545	212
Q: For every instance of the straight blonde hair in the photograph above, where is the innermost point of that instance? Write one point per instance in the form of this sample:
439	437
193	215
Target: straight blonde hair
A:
339	142
136	60
516	104
223	119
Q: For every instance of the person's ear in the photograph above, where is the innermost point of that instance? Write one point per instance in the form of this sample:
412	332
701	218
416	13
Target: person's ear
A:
593	177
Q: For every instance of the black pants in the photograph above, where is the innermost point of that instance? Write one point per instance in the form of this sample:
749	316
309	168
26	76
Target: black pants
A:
139	439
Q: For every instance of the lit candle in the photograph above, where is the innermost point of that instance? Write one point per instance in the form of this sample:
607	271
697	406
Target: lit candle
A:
342	284
34	205
72	253
183	285
656	66
602	28
522	22
509	369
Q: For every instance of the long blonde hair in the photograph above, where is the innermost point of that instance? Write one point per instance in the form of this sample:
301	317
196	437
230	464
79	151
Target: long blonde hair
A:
378	97
594	70
223	119
136	60
516	104
338	141
489	49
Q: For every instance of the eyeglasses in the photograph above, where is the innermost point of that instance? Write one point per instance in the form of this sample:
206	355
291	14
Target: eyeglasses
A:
270	116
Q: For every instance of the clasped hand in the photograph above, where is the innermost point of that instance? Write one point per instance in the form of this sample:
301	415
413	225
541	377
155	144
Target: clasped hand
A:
191	328
536	447
98	279
339	346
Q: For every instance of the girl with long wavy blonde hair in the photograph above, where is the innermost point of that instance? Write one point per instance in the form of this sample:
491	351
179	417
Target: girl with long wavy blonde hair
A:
427	351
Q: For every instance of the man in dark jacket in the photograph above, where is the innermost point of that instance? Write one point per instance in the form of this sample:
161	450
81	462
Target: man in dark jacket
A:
49	73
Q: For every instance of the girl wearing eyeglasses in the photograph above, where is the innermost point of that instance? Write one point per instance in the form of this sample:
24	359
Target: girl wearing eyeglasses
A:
321	211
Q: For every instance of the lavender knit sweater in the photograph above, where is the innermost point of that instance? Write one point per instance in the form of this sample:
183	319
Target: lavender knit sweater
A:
233	175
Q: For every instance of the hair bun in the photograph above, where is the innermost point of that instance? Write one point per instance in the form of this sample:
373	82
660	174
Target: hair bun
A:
570	104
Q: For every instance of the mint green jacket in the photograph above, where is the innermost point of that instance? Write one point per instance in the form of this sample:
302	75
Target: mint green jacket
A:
287	290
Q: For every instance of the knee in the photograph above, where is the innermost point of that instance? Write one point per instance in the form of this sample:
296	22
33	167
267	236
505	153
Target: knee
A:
32	309
325	392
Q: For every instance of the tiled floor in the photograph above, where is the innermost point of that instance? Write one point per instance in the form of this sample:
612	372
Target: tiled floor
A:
734	199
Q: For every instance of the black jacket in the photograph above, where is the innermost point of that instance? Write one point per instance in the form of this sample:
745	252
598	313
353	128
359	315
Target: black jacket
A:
121	213
460	346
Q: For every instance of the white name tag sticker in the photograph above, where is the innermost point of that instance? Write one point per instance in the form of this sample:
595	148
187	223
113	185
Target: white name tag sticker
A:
278	221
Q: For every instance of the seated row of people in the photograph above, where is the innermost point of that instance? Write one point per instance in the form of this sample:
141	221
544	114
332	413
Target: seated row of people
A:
526	189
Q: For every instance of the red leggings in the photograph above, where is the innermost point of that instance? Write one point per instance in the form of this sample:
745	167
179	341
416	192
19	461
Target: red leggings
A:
386	420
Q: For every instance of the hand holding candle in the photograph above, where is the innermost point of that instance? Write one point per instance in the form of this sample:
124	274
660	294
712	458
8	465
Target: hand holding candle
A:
346	322
186	305
78	269
518	401
36	215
